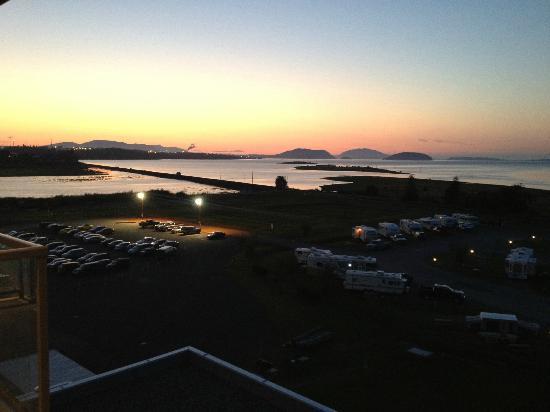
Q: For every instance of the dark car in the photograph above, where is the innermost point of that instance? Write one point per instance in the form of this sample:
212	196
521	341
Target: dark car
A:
53	245
118	264
40	240
216	235
106	231
92	267
148	223
67	267
26	236
84	258
190	230
97	256
74	253
442	292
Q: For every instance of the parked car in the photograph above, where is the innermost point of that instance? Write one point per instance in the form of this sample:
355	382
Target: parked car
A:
148	223
40	240
106	240
442	292
122	246
167	250
44	225
67	267
74	253
13	233
26	235
97	256
63	249
399	238
138	248
106	231
84	258
53	245
91	267
56	262
216	235
96	229
112	243
190	230
94	239
146	251
119	263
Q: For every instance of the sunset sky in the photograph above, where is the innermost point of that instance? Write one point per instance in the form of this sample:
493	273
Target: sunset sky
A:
458	77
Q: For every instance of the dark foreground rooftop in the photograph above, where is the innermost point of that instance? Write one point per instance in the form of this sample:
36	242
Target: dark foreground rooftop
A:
186	379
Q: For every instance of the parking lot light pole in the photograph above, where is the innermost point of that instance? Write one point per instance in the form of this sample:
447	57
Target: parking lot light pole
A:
198	203
141	196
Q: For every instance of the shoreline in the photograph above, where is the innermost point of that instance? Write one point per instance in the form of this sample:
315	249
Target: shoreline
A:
362	169
224	184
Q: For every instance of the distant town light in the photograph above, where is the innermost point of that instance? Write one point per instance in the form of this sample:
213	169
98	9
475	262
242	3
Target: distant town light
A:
472	251
533	237
434	259
510	242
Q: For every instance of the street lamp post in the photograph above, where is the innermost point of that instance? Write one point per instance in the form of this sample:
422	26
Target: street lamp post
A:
141	196
198	202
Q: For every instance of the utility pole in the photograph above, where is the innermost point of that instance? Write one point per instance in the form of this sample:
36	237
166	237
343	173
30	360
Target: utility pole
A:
253	177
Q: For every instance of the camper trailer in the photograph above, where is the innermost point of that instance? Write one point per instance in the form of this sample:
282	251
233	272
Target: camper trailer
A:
411	227
343	263
447	222
376	281
387	229
339	263
465	221
429	223
520	263
364	233
501	326
302	253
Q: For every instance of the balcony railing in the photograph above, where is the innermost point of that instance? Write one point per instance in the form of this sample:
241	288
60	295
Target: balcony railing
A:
24	363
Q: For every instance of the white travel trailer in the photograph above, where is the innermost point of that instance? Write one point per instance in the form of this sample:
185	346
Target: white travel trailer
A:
302	253
446	221
520	263
411	227
376	281
387	229
339	263
364	233
429	223
343	263
466	221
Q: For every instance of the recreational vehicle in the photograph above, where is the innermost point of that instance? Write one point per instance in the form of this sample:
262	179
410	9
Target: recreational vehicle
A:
339	264
364	233
447	222
376	281
520	263
302	253
387	229
465	221
429	223
411	227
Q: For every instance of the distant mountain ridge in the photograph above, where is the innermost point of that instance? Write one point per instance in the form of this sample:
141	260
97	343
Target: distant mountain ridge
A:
111	144
362	153
301	153
409	156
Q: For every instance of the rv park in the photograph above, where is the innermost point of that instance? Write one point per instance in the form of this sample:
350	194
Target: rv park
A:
250	299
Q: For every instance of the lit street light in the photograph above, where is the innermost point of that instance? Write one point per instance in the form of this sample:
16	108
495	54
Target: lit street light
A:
510	242
141	196
198	203
434	259
472	251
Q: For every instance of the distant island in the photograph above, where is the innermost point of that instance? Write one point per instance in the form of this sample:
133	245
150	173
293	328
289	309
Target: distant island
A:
409	156
474	158
335	168
362	153
33	161
112	144
297	162
301	153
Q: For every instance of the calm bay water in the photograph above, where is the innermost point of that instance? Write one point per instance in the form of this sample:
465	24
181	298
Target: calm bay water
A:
535	174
